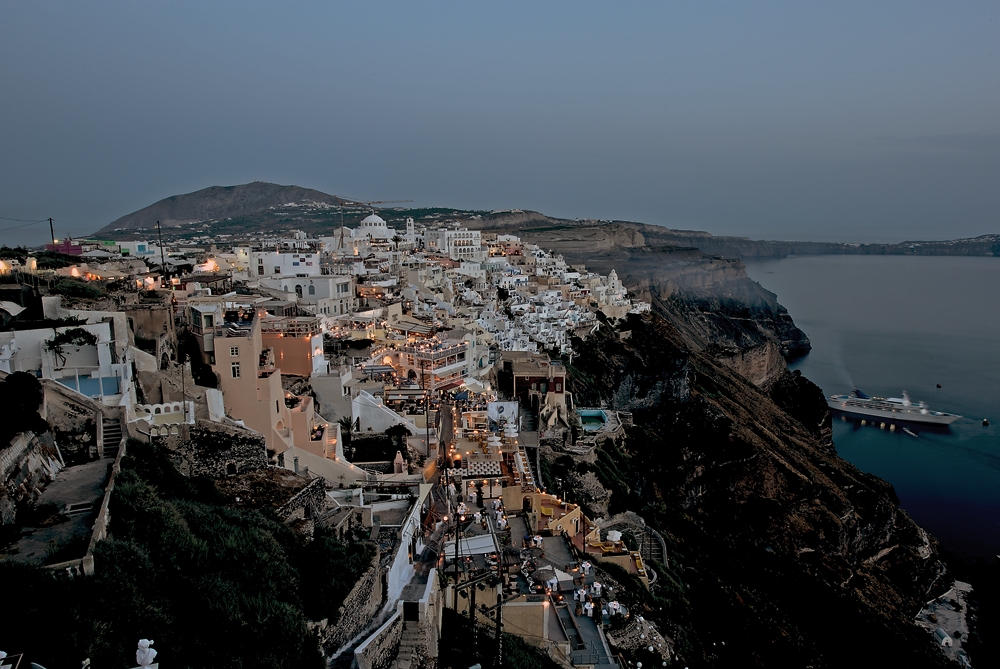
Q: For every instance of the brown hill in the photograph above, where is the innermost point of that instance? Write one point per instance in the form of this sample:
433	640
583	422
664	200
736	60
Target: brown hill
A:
219	202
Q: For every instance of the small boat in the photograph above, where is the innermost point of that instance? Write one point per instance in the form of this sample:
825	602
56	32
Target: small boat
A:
939	385
909	432
986	422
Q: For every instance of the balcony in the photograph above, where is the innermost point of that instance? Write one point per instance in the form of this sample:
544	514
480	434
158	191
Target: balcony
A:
434	352
265	365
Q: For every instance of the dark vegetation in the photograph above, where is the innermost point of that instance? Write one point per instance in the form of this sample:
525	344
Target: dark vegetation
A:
44	323
20	397
463	646
45	259
376	447
213	586
78	288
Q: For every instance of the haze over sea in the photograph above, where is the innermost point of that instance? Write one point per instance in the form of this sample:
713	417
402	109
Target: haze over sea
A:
885	324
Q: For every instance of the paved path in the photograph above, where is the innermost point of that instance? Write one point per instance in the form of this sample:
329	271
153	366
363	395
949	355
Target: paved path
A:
78	485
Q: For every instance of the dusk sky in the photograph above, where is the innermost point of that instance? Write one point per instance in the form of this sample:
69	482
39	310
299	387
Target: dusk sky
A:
816	121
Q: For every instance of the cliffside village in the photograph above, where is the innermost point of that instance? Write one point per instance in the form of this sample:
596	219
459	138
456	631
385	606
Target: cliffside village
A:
398	383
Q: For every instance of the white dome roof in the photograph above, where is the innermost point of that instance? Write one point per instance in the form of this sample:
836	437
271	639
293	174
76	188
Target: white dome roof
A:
373	221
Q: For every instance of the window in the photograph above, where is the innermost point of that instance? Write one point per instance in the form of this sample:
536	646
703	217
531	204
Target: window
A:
276	409
298	291
209	320
260	270
234	351
236	370
312	290
277	270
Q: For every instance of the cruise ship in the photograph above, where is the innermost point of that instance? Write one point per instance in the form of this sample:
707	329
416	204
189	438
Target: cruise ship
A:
889	408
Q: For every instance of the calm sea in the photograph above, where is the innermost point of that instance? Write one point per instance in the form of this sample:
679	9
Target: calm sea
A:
885	324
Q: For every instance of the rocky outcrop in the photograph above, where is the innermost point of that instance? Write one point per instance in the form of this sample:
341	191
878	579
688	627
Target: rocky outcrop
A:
774	535
708	298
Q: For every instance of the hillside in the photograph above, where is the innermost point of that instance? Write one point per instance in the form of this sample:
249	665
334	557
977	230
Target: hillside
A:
778	548
249	209
219	202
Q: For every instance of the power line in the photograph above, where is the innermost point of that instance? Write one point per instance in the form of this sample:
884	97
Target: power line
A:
23	220
15	227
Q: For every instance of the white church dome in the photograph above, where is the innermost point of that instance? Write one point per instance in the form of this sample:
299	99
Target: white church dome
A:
373	221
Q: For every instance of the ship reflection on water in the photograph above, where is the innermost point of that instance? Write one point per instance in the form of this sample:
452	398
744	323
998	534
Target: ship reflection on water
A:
903	427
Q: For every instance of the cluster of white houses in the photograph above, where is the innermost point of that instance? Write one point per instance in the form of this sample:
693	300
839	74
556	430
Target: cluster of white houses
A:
442	337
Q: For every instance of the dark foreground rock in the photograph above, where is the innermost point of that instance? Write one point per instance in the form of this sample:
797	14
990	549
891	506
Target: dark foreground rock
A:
778	548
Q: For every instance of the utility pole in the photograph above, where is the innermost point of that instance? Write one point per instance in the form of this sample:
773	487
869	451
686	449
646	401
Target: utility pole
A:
498	658
52	231
458	540
183	393
427	410
163	261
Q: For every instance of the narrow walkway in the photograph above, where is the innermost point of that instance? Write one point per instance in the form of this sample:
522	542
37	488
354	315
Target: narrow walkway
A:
594	651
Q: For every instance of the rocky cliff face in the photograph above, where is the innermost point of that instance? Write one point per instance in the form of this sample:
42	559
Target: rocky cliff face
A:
710	299
779	547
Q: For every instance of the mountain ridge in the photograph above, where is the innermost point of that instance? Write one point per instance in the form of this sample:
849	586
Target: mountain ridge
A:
219	202
254	207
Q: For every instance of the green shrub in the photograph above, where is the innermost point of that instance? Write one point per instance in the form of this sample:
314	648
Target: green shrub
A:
79	288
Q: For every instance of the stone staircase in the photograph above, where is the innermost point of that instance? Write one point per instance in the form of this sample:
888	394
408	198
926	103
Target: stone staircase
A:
529	421
112	437
409	647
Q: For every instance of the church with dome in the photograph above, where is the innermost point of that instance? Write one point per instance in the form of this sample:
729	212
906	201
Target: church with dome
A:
372	228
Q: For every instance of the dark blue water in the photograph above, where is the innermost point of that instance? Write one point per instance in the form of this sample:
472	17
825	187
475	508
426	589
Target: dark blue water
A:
885	324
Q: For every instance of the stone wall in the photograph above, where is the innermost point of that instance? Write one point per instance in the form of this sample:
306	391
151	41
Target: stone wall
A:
359	610
76	420
27	465
379	651
312	496
216	450
431	617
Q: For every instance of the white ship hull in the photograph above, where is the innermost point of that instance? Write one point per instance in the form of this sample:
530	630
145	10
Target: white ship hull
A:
889	410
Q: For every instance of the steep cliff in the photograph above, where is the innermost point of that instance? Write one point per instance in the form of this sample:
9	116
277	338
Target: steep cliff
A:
710	299
778	547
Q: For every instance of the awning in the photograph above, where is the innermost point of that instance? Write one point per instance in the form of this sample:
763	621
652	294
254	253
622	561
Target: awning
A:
478	545
377	369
